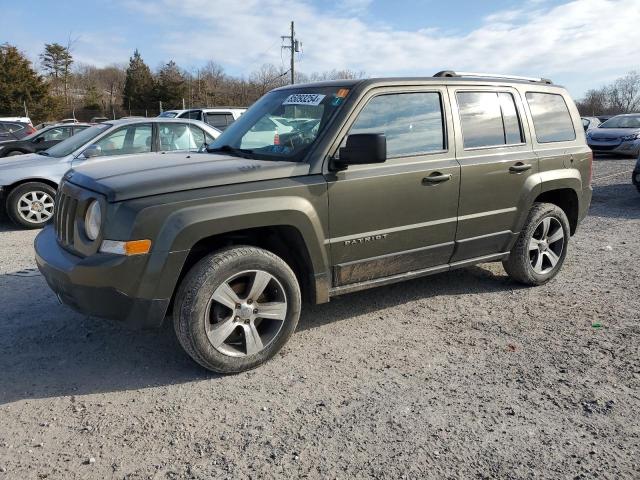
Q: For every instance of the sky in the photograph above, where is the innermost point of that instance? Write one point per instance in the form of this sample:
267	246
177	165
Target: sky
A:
581	44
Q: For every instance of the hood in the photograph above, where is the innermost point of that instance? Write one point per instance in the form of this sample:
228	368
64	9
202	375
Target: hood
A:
611	133
135	176
24	161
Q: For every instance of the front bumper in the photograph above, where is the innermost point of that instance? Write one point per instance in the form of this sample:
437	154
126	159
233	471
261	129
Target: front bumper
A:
630	148
101	285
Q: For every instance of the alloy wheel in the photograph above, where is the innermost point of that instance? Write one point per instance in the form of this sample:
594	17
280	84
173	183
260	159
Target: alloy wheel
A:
35	207
546	245
245	313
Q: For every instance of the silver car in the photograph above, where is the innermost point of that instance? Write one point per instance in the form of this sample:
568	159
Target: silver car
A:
29	182
619	135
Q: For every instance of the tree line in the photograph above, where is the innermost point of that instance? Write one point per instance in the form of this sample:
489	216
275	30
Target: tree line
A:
58	87
620	96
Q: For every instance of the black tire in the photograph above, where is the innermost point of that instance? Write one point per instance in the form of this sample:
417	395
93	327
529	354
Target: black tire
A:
191	316
17	193
519	264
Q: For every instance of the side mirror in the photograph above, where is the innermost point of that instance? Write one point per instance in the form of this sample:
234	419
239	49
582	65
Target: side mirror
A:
92	151
363	148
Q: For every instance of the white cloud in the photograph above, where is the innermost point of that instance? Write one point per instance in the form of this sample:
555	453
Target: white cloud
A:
583	42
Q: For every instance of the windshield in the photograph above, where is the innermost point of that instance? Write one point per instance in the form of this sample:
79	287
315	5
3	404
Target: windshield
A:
283	124
71	144
168	114
622	121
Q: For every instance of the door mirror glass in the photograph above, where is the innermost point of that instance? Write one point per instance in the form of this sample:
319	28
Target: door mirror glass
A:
92	151
363	148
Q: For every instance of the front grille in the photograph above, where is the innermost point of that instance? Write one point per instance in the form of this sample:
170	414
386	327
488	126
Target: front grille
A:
604	147
64	219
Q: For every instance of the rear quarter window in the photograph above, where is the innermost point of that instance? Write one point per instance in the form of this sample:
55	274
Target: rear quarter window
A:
551	118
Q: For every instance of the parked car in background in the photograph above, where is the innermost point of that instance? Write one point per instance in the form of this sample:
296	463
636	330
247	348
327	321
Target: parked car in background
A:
619	135
28	183
14	130
41	139
26	120
219	118
590	122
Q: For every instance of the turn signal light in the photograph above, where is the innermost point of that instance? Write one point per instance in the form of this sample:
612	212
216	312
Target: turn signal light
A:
133	247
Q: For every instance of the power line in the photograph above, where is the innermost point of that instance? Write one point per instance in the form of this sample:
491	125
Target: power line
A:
294	47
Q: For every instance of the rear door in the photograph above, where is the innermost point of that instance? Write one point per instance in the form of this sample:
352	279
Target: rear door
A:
395	217
498	164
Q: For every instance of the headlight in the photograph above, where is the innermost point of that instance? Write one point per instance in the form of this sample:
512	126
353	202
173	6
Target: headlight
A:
93	220
635	136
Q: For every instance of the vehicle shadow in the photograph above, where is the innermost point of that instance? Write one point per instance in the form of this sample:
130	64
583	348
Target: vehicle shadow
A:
618	200
47	350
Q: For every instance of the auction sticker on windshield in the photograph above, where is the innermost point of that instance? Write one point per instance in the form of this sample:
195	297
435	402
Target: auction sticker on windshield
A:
304	99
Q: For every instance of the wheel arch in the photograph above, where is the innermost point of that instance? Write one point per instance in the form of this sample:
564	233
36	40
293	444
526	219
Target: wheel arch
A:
567	200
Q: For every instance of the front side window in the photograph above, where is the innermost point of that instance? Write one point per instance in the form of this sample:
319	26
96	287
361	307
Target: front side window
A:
55	134
219	120
127	140
283	124
75	142
551	119
411	122
191	114
179	136
489	119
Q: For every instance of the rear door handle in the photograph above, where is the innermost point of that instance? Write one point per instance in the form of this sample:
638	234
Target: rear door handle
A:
519	167
436	177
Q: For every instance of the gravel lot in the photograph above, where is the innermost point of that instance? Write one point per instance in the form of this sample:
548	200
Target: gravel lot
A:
463	375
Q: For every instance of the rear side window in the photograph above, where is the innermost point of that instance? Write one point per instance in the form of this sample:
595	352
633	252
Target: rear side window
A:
551	118
489	119
412	122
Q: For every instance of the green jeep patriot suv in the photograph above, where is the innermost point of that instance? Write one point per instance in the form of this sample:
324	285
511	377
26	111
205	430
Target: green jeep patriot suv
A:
316	191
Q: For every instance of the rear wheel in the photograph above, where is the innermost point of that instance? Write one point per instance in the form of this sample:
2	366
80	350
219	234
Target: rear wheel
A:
236	308
541	247
31	205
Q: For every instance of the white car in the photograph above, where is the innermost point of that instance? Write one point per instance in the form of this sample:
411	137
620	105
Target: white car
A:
219	118
16	119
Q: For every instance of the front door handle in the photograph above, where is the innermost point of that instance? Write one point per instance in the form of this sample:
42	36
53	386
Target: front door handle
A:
519	167
436	177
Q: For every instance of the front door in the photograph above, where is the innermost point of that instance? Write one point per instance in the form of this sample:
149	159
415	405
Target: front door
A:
398	216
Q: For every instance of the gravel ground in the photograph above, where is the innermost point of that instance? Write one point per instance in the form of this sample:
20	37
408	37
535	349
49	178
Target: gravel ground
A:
463	375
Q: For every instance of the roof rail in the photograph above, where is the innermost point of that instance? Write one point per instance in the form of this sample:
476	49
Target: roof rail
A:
451	73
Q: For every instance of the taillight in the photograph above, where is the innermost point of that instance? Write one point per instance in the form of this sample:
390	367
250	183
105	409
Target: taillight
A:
30	130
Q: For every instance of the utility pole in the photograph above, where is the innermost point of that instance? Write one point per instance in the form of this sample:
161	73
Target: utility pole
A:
294	47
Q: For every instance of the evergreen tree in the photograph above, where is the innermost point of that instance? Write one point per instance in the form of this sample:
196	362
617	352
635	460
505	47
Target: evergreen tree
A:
171	86
138	84
56	61
20	84
93	98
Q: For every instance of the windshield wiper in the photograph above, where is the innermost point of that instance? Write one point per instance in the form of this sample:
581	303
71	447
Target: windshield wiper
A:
241	152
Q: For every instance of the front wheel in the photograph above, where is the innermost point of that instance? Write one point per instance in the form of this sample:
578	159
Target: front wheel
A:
31	205
541	247
236	308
